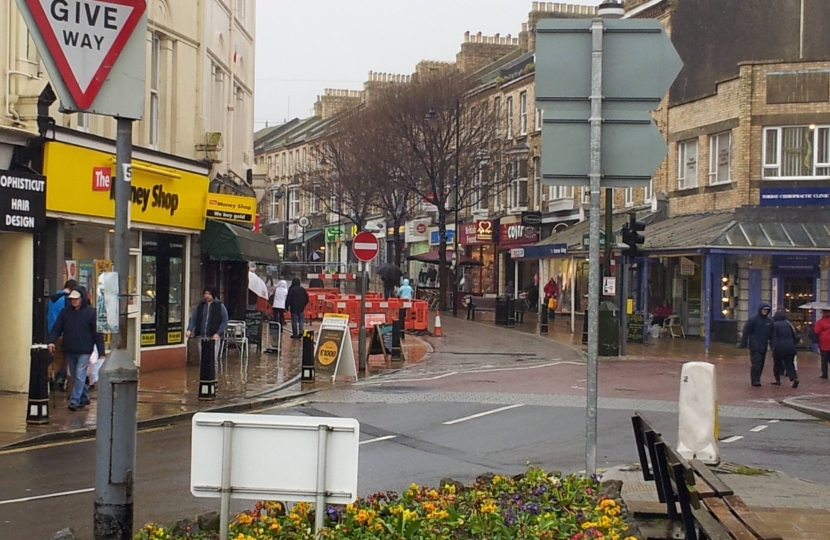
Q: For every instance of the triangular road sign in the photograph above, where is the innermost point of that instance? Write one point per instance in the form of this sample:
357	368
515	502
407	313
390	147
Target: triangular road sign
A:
85	38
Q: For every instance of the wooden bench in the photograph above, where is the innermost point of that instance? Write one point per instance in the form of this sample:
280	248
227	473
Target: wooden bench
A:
698	504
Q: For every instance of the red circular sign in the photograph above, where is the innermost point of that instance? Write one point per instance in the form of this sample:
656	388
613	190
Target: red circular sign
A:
365	246
421	228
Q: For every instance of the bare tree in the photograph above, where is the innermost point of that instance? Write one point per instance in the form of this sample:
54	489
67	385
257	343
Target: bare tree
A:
442	140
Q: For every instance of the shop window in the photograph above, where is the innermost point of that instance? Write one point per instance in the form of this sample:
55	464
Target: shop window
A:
629	196
523	113
796	152
556	193
162	289
509	116
294	208
720	158
497	116
273	206
687	164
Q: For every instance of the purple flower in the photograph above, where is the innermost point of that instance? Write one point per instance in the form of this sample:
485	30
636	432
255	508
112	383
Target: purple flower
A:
332	514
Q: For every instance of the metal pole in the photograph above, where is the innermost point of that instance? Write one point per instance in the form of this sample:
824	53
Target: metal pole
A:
285	229
457	205
609	228
361	324
624	285
593	248
225	500
320	499
115	438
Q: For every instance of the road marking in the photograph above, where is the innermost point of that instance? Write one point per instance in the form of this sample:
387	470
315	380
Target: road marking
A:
773	421
461	372
485	413
49	496
756	429
379	439
733	438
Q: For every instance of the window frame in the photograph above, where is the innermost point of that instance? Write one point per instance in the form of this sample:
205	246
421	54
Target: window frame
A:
274	206
154	120
497	112
778	164
539	119
523	113
714	159
629	196
294	203
648	191
509	117
682	164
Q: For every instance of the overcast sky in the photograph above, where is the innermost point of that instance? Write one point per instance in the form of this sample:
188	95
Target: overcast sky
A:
305	46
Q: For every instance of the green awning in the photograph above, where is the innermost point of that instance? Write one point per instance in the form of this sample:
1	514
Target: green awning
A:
227	242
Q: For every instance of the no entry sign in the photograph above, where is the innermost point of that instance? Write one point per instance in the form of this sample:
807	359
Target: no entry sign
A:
365	246
82	42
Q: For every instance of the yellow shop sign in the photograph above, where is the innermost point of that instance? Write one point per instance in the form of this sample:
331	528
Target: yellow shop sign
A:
230	208
82	181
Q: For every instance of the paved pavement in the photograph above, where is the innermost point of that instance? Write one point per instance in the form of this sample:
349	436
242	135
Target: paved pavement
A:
170	395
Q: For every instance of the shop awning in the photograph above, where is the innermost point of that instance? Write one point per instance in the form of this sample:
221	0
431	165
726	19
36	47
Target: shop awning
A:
227	242
306	237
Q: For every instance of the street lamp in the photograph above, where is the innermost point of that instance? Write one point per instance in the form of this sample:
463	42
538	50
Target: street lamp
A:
432	115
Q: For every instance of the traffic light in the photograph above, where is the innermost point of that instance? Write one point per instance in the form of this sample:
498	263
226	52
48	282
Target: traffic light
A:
632	237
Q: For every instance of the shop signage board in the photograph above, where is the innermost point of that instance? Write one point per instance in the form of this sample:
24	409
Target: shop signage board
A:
94	51
533	219
160	195
106	303
516	234
253	327
807	196
586	239
230	208
539	252
687	266
417	230
22	202
435	237
333	347
609	286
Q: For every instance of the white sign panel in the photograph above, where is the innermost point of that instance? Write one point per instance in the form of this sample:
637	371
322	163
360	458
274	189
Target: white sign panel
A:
274	457
107	303
609	286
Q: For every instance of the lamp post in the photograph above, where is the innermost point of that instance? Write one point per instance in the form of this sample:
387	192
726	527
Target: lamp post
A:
431	115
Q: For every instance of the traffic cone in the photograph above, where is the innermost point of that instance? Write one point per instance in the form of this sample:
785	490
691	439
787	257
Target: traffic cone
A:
436	331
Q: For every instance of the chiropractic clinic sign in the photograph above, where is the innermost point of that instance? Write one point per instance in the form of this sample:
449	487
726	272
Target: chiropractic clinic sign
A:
22	202
82	182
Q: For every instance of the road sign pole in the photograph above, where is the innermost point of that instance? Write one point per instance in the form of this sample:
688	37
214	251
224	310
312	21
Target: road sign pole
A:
115	438
361	325
593	248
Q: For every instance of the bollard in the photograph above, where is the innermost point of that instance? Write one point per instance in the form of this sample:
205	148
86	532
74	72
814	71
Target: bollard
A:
396	353
207	370
38	410
402	318
308	357
543	325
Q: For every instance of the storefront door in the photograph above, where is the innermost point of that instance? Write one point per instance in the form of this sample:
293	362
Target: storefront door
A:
162	291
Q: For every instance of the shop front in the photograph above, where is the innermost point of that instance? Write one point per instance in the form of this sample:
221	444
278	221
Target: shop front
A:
416	237
167	212
478	241
517	276
22	217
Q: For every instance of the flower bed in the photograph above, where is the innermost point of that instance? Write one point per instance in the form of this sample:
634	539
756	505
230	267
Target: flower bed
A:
532	506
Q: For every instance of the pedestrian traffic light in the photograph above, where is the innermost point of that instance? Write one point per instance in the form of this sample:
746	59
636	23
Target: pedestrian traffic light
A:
632	237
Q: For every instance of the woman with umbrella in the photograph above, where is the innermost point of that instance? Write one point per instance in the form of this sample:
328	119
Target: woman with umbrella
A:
391	277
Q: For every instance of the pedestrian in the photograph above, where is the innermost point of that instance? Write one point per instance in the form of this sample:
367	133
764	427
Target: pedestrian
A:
56	304
551	291
467	281
209	320
755	336
405	291
77	325
280	295
296	301
822	331
432	275
783	343
389	286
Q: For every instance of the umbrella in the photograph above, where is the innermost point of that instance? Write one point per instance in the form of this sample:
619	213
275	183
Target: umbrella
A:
257	286
432	257
317	256
824	306
389	271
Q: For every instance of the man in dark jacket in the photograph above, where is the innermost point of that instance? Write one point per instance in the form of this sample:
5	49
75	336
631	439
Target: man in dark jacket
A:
209	320
783	342
77	325
756	336
295	302
56	304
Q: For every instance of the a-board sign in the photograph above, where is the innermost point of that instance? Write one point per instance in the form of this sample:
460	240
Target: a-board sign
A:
635	328
384	342
253	327
333	348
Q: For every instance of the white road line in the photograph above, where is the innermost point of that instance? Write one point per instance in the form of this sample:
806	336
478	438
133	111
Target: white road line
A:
756	429
49	496
485	413
733	438
386	438
773	421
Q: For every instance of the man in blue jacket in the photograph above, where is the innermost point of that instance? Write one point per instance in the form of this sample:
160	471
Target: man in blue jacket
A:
756	335
77	325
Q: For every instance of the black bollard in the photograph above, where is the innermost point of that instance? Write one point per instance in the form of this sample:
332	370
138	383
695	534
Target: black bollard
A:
207	370
396	354
38	410
308	357
402	318
543	327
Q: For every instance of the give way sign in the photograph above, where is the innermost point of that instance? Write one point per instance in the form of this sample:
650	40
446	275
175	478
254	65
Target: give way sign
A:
84	39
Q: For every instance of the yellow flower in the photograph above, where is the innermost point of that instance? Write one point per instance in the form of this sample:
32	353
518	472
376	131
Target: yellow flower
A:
588	525
409	515
608	503
449	488
488	507
350	508
275	527
604	522
432	494
244	519
496	479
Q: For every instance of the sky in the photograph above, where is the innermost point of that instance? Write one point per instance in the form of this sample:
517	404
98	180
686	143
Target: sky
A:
305	46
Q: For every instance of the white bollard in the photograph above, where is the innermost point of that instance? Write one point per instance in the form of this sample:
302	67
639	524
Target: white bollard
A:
697	431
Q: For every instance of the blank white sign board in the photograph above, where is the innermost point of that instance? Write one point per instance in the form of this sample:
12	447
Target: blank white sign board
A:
274	457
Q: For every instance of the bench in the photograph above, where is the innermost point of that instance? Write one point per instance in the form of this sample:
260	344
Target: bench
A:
488	304
698	504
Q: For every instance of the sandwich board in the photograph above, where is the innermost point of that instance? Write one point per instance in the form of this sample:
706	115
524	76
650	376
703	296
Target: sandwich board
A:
333	348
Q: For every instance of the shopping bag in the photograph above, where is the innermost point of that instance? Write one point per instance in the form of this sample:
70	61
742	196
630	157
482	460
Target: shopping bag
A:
94	366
